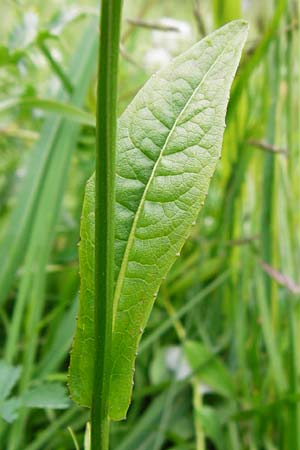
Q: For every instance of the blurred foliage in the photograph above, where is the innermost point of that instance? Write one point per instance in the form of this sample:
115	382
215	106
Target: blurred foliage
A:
221	354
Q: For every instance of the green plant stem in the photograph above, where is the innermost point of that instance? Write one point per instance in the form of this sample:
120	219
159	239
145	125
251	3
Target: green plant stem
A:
268	180
292	226
269	335
110	24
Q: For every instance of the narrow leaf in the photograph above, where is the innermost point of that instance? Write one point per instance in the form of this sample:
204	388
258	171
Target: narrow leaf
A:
46	395
9	409
169	142
9	375
209	368
65	110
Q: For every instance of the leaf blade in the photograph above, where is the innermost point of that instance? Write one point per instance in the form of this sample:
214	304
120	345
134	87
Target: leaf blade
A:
46	395
9	375
169	141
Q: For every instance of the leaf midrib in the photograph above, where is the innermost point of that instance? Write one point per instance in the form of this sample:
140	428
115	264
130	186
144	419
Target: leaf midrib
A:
130	240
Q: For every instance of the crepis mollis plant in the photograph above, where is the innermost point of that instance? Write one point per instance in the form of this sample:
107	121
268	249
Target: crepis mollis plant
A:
168	143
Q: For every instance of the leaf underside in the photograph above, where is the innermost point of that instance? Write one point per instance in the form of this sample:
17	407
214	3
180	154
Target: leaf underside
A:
169	142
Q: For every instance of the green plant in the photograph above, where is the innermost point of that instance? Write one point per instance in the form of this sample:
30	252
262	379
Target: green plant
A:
168	144
25	240
234	291
43	395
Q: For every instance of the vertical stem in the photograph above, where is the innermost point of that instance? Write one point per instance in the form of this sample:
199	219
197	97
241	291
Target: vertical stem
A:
110	23
269	334
293	431
268	180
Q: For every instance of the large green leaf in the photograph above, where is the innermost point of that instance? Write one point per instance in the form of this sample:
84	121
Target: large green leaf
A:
169	142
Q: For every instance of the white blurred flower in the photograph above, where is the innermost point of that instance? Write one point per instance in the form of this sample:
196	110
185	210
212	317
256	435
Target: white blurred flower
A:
31	22
22	68
155	58
203	389
246	5
166	44
177	363
38	59
65	17
24	32
56	54
209	221
21	172
172	40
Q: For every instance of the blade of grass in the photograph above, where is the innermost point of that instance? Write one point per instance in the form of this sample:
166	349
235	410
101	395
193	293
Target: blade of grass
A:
226	10
60	344
146	426
47	434
197	397
17	236
290	224
294	320
50	192
254	60
33	278
65	110
165	417
278	373
165	326
268	177
57	69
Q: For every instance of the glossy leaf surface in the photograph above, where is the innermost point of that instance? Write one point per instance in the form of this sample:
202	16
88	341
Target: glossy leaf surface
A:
169	142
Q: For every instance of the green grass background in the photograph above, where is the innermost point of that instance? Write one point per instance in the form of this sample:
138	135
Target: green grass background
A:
234	291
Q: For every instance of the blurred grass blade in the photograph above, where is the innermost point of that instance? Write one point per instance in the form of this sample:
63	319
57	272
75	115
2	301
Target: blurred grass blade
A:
18	233
269	335
40	232
181	312
65	110
60	344
254	60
